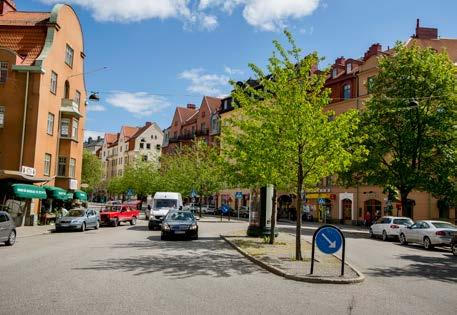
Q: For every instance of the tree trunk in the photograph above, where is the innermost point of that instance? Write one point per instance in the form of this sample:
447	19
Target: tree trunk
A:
404	202
200	210
273	218
298	254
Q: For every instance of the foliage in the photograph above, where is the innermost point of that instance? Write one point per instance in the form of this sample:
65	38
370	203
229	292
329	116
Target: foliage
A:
282	134
92	171
410	123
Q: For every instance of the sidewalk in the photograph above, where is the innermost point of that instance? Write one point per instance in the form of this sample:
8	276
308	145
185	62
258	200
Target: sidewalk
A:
217	219
26	231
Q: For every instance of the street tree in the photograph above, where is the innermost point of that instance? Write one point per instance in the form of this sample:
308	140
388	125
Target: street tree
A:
410	123
91	171
142	177
282	133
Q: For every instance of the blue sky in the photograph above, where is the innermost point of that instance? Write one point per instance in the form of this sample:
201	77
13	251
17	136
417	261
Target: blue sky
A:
165	53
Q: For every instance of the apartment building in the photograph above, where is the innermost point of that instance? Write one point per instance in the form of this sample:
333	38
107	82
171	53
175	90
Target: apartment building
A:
132	143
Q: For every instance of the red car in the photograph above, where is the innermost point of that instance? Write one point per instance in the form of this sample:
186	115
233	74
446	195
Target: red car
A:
115	214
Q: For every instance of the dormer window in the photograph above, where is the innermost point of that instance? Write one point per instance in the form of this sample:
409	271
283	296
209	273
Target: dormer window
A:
348	67
334	73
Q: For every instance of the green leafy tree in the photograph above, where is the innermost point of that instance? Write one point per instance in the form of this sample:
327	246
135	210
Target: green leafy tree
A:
410	121
282	133
91	171
117	185
143	177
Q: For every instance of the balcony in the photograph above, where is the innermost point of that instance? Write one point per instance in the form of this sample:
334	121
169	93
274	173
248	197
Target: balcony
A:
70	108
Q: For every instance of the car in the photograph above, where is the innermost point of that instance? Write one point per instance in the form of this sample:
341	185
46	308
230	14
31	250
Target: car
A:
454	245
389	227
115	214
78	219
7	229
429	233
208	209
244	212
179	223
163	203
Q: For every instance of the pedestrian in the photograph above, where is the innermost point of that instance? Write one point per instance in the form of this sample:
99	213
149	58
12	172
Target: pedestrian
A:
367	219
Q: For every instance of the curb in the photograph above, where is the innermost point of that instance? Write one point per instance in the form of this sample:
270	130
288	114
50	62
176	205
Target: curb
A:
310	279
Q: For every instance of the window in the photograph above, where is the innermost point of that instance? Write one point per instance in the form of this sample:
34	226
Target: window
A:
77	99
348	67
193	130
47	164
334	73
202	127
72	168
370	82
347	91
53	82
158	147
74	129
69	56
2	116
65	128
3	71
141	145
148	146
62	168
126	147
144	158
50	129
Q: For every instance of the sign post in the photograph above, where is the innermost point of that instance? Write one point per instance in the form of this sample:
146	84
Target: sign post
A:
239	196
329	239
225	209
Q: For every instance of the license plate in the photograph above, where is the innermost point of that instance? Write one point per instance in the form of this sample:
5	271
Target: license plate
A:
64	225
180	232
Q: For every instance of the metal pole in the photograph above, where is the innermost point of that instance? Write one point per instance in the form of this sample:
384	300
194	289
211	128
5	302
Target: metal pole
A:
312	252
344	252
26	100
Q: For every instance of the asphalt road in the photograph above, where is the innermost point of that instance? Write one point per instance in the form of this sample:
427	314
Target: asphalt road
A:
129	270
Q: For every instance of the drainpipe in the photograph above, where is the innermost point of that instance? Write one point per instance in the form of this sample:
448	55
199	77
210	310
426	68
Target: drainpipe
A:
26	100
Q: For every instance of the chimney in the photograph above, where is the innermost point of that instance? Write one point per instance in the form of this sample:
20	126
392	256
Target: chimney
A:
191	106
373	51
89	140
425	32
148	123
7	6
340	61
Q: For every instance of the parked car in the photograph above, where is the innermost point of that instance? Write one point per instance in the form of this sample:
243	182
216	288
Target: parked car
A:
7	229
179	223
454	245
389	227
115	214
78	219
208	209
428	233
244	212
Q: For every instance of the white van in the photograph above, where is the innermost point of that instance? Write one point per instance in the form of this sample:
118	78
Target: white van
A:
161	204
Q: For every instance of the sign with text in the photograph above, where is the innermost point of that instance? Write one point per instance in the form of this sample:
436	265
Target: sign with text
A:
29	171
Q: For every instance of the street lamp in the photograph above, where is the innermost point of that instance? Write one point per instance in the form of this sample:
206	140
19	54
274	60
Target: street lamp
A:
94	96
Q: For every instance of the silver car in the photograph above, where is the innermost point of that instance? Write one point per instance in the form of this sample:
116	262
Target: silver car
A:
78	219
428	233
7	229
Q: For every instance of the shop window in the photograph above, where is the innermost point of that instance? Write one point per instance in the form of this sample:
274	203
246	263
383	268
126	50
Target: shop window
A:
3	71
62	167
50	127
373	206
72	169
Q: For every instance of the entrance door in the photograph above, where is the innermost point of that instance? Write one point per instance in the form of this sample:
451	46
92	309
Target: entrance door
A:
346	205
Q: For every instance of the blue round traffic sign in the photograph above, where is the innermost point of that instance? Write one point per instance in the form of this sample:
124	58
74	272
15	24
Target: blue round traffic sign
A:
329	240
225	209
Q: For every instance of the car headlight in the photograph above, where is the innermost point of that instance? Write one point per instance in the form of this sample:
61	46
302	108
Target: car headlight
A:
166	227
193	227
75	221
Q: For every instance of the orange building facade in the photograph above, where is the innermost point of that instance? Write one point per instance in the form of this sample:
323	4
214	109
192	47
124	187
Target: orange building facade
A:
42	94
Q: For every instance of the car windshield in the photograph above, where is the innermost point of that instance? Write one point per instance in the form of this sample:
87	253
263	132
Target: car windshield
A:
165	203
113	208
180	216
76	213
403	221
444	225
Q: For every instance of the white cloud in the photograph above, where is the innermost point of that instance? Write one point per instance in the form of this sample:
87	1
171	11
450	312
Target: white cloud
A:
138	103
267	15
233	71
92	134
95	108
206	83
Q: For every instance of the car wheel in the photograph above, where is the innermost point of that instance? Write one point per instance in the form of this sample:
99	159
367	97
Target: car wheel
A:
195	237
97	225
11	239
384	236
427	243
133	221
151	227
454	249
58	230
114	223
163	237
403	240
370	232
83	227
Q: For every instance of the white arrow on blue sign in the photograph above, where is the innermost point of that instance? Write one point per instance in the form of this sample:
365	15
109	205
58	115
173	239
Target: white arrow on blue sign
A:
329	240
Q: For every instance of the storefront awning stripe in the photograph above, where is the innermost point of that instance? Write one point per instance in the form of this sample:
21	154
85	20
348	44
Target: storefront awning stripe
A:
25	191
56	193
81	195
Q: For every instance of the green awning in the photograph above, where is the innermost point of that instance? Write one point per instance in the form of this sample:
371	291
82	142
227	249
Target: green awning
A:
25	191
56	193
81	195
69	196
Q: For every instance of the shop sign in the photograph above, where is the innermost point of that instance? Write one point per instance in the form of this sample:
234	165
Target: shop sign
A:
73	184
317	196
29	171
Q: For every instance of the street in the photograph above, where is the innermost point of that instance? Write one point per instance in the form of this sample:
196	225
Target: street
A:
128	269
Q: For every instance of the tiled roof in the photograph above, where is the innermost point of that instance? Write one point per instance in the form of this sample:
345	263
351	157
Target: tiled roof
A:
25	33
19	18
110	138
213	102
129	131
185	113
